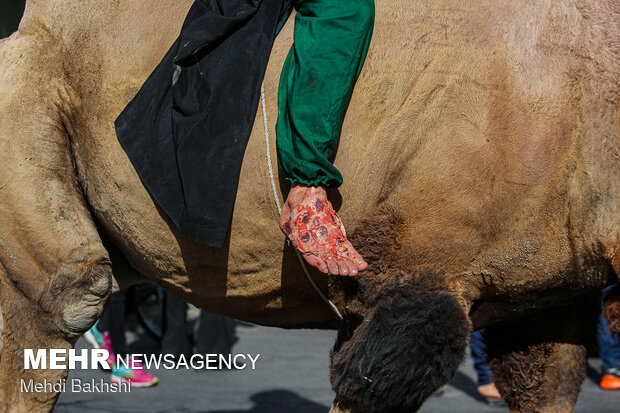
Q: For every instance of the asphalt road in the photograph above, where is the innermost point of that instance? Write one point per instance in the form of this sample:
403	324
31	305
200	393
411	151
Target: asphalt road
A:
291	376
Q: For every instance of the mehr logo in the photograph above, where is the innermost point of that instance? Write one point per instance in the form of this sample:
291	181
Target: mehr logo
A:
58	359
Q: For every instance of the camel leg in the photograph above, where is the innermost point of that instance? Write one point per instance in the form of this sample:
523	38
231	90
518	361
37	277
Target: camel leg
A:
55	274
398	350
539	363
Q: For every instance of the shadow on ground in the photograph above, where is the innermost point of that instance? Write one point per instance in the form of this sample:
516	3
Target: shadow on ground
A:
467	385
592	373
279	401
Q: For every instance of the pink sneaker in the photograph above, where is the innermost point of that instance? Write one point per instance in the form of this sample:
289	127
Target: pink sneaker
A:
101	339
136	377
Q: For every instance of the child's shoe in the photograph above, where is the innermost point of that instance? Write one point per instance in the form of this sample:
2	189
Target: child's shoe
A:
137	377
101	340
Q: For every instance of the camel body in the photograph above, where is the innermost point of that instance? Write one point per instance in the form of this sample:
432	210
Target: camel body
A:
481	158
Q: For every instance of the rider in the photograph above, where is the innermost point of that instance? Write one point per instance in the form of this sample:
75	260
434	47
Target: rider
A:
329	49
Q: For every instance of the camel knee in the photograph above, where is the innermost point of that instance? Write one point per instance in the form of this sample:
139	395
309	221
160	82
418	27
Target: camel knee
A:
77	294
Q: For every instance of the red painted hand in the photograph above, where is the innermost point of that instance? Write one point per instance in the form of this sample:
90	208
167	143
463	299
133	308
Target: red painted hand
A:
310	222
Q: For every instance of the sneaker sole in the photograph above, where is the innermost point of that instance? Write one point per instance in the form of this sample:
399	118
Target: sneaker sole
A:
91	339
93	342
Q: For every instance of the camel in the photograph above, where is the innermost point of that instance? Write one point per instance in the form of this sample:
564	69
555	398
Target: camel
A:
481	158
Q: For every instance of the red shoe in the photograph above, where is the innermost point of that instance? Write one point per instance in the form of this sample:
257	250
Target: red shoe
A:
610	380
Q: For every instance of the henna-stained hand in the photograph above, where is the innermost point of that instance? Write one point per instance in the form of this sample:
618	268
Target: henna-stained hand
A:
310	222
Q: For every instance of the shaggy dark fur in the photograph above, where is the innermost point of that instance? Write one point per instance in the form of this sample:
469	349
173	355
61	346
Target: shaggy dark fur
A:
611	309
406	348
377	239
539	362
517	368
404	334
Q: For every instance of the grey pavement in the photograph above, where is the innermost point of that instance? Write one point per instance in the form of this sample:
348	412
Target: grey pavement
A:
291	376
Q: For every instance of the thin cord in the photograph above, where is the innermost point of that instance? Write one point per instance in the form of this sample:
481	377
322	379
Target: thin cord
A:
277	200
268	147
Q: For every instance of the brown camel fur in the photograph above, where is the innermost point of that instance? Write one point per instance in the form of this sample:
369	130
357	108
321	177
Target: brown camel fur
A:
481	156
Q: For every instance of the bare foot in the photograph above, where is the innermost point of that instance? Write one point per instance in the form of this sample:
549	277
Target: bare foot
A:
489	392
310	222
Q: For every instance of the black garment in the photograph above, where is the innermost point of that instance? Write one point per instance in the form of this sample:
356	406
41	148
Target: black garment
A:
113	321
186	130
176	339
215	333
11	12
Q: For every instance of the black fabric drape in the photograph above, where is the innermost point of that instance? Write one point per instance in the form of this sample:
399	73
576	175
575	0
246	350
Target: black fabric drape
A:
11	12
186	130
